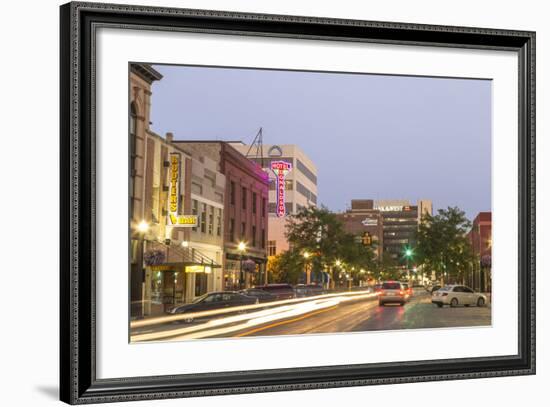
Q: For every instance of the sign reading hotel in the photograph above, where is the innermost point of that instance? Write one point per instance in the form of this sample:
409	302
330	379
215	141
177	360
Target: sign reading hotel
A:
281	170
174	196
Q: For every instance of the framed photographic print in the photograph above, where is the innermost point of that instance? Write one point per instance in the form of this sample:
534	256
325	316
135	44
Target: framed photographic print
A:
255	203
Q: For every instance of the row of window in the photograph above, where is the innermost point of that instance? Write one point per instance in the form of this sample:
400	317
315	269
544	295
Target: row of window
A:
252	239
306	171
244	199
273	207
209	217
306	192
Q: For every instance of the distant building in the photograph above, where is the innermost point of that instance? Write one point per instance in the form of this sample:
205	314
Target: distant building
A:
480	237
245	207
366	223
395	226
288	192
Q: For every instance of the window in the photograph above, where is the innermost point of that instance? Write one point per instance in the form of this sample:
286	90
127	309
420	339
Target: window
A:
264	206
271	247
273	207
232	230
306	192
196	188
306	171
232	192
254	204
133	127
289	184
211	221
218	222
244	197
203	218
195	209
254	236
243	230
263	238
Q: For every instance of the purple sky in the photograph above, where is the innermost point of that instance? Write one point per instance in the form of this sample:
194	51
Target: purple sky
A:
370	136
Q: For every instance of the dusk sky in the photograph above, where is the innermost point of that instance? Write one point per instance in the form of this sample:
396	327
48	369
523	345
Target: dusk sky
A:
370	136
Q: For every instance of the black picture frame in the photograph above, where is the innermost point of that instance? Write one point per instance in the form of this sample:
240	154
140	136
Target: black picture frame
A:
78	382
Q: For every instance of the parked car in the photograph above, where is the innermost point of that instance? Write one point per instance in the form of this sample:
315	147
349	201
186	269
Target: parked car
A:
261	295
454	295
214	300
308	290
392	292
281	291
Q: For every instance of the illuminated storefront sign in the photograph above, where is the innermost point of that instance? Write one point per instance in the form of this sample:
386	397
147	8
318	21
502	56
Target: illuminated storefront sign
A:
369	222
280	169
198	269
189	221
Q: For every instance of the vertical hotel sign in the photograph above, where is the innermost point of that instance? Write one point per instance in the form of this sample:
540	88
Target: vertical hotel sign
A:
174	196
280	169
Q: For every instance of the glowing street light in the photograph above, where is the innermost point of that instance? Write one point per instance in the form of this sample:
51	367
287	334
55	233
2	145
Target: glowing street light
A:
408	255
185	243
307	255
143	227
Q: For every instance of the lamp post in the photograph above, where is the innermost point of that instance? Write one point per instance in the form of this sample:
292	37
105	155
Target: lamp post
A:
408	255
242	248
142	229
308	272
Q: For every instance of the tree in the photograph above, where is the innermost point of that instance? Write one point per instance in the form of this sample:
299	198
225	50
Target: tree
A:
286	267
320	233
442	245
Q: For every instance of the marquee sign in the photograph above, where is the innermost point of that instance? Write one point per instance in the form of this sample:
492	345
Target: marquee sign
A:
174	196
280	169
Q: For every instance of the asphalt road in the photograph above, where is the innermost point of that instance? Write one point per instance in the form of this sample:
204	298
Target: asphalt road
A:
356	314
367	315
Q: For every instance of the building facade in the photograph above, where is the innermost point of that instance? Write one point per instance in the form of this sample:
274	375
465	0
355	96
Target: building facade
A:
292	185
245	207
480	237
393	223
366	223
176	213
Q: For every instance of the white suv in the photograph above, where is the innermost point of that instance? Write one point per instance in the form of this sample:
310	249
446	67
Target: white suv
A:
454	295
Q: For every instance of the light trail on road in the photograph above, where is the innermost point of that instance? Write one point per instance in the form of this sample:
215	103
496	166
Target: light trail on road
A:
192	315
234	323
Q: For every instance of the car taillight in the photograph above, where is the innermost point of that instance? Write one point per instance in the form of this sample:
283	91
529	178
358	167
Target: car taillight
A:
401	293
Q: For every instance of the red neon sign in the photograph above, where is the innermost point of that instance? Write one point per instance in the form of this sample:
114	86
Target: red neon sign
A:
280	169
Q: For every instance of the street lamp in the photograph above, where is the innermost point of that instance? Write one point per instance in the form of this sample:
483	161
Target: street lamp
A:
308	274
408	255
185	243
241	247
142	229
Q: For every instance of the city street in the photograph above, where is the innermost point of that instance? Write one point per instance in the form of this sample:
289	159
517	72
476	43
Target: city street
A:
346	312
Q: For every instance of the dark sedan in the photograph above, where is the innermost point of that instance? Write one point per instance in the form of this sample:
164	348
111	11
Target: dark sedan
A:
261	295
213	301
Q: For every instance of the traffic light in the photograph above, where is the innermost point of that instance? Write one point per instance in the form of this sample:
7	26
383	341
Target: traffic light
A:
366	239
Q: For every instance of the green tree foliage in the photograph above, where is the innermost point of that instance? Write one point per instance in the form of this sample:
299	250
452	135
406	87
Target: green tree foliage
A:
320	233
442	244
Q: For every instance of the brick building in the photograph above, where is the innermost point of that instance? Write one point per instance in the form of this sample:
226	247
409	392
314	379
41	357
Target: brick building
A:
245	208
